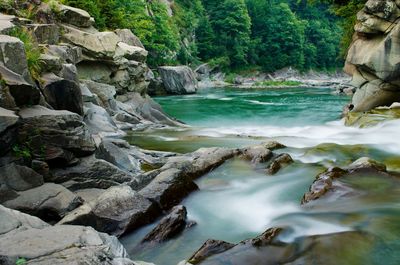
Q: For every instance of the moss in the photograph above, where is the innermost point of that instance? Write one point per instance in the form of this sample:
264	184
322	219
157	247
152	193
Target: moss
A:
32	50
278	83
372	117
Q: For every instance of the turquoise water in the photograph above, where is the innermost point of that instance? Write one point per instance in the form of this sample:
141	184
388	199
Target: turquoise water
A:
236	202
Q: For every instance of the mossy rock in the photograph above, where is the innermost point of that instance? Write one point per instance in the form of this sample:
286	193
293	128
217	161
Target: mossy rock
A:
372	117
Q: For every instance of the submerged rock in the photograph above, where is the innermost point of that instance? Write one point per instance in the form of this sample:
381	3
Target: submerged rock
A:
279	162
209	248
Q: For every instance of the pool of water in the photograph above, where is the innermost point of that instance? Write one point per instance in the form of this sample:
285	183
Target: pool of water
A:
236	202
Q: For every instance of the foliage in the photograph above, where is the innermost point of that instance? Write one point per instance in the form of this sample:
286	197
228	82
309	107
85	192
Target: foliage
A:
20	261
22	151
32	50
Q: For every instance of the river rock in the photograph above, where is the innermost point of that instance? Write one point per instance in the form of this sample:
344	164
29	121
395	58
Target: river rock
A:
67	53
75	16
209	248
178	79
90	173
99	121
169	226
50	202
279	162
257	154
62	94
56	136
116	211
50	63
327	184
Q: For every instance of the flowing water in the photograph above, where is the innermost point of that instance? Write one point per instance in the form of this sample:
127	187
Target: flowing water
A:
236	202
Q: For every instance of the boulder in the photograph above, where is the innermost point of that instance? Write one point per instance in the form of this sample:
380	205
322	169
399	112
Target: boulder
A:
279	162
116	211
37	243
45	33
104	92
128	37
6	24
129	52
99	121
55	136
50	63
62	94
75	16
169	226
67	53
257	154
16	90
117	156
49	202
12	55
209	248
8	127
70	72
90	173
178	79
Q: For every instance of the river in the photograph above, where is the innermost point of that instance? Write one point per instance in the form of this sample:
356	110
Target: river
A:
236	202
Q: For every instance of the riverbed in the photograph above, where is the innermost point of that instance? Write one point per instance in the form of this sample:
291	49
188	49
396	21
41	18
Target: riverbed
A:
236	201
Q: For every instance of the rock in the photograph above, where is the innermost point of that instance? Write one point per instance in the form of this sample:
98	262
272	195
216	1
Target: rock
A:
50	63
178	79
45	33
366	163
117	156
16	90
169	226
69	72
6	24
15	178
90	194
56	136
129	52
75	16
169	188
373	58
257	154
99	121
90	173
279	162
273	145
128	37
88	96
116	211
99	46
49	202
67	53
72	245
327	184
371	118
209	248
156	87
12	55
8	127
105	93
62	94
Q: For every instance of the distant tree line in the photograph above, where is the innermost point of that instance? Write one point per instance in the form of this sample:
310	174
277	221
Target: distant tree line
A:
268	34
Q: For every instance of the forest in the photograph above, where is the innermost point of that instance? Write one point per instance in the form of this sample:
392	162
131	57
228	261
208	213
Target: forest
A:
264	34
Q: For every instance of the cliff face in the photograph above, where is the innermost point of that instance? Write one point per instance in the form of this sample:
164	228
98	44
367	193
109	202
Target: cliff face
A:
374	56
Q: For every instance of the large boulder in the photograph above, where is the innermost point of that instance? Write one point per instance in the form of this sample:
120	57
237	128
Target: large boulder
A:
117	211
373	58
178	79
12	55
128	37
75	16
45	33
62	94
6	23
22	235
55	136
50	202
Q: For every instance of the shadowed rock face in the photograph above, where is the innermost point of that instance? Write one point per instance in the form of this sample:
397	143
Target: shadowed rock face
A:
374	56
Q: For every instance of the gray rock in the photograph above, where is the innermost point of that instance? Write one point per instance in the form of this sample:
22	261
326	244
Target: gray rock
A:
105	93
75	16
116	211
129	52
90	173
278	163
257	154
117	156
209	248
45	33
67	53
8	127
56	136
71	245
50	63
128	37
6	24
12	55
62	94
7	119
50	202
366	163
178	79
98	120
169	226
70	72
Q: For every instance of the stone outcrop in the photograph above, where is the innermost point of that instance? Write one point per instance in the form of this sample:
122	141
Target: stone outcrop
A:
178	79
374	58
